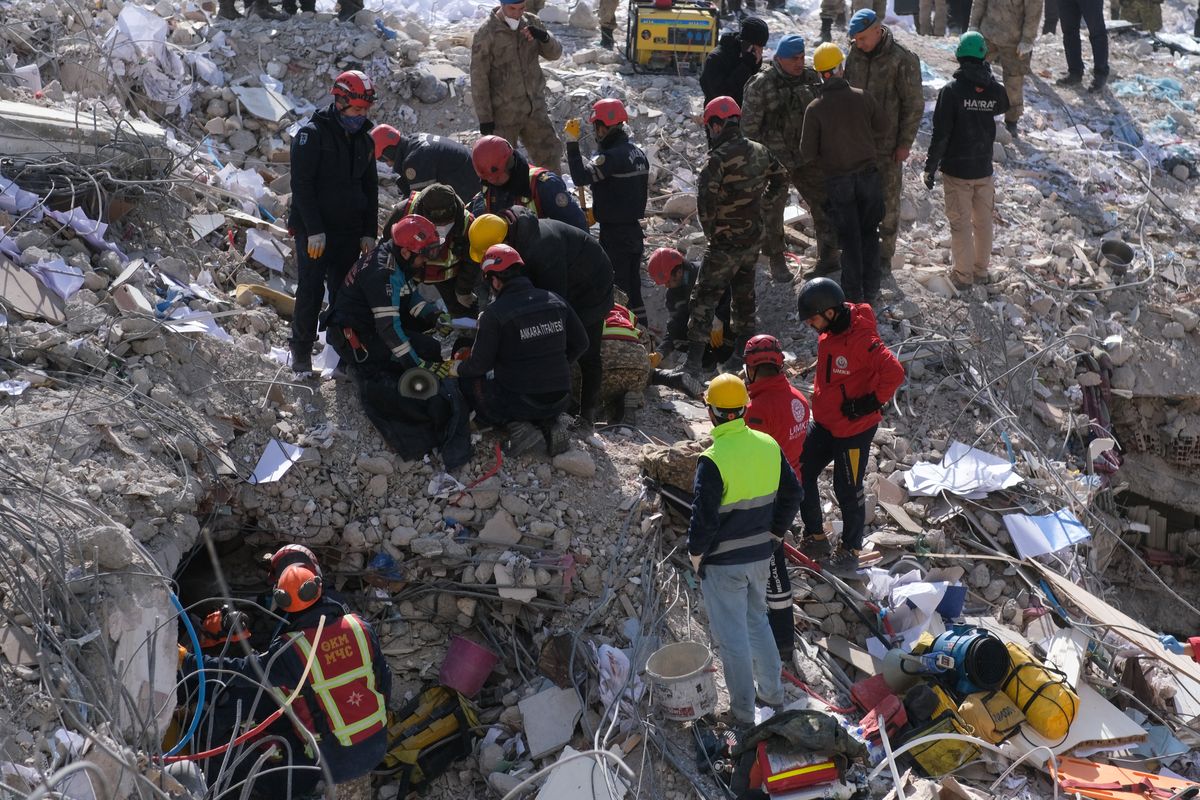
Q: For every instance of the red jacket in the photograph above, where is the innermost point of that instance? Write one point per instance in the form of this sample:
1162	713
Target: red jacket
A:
781	411
852	364
1195	643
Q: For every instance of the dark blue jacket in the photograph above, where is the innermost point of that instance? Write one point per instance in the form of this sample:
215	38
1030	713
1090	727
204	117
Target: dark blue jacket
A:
619	175
335	188
422	159
545	191
562	259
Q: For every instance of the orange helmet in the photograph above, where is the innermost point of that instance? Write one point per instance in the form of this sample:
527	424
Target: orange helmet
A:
609	111
298	588
386	138
491	156
415	234
500	258
763	349
291	554
663	262
722	108
355	87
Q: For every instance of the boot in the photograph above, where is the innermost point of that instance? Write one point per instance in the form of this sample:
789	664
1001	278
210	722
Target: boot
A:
227	10
558	440
288	7
263	10
606	38
347	9
737	359
631	403
779	268
302	361
826	30
828	262
695	359
522	438
586	419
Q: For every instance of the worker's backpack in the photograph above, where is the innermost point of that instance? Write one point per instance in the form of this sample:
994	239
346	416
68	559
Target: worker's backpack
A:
427	735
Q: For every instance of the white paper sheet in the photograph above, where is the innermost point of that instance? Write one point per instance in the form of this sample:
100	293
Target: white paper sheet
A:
964	471
1049	533
264	249
204	224
276	460
58	276
262	102
184	320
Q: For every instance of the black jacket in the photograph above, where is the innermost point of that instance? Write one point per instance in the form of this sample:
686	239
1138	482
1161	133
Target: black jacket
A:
619	176
422	159
964	122
335	188
562	259
725	71
529	338
547	193
679	304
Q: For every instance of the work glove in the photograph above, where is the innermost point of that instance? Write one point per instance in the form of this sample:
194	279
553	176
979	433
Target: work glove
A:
439	368
1024	49
183	653
695	563
655	360
716	336
540	35
929	180
1172	644
316	245
365	243
571	129
856	407
443	326
487	128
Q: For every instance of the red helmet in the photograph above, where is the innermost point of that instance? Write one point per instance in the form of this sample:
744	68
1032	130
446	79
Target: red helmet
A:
610	111
491	156
721	108
385	138
291	554
763	349
356	88
415	233
663	262
500	257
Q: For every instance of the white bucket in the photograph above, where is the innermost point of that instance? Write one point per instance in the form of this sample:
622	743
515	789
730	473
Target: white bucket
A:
684	681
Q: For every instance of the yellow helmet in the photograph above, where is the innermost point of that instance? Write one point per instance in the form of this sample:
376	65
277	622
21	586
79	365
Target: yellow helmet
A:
486	231
727	391
828	57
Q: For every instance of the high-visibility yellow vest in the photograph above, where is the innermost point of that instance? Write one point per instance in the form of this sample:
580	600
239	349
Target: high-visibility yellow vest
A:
749	464
444	264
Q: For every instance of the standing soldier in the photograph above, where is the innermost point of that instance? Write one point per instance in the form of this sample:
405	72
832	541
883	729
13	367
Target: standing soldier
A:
619	176
1009	28
740	181
931	18
421	159
891	75
507	83
508	180
335	203
842	129
607	13
773	114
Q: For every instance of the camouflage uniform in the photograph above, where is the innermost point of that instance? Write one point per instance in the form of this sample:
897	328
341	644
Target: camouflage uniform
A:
673	465
607	13
891	74
534	6
878	6
931	17
737	186
1147	13
1007	25
509	89
773	115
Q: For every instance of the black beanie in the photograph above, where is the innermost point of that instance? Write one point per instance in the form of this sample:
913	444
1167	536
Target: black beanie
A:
754	31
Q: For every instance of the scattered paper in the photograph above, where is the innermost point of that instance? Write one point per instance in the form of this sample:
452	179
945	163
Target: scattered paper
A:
263	102
204	224
17	201
14	388
964	471
184	320
275	461
1037	536
264	249
58	276
9	247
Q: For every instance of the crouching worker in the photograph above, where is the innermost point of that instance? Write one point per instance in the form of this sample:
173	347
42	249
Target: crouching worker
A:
667	267
519	372
342	703
381	327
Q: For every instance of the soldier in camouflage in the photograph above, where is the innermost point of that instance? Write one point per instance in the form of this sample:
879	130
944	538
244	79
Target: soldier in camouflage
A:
891	74
1009	27
1145	13
507	84
626	366
835	10
740	181
773	115
607	12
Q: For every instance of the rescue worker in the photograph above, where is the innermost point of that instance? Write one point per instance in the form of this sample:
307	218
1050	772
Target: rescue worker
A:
619	175
745	497
964	130
1191	649
735	60
527	340
626	365
739	182
343	702
856	376
891	74
335	203
773	115
421	159
562	259
507	83
381	328
449	268
781	411
843	129
1091	12
667	267
508	180
221	628
1010	28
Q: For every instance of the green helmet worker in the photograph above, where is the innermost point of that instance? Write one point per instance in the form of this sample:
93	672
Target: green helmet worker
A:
746	497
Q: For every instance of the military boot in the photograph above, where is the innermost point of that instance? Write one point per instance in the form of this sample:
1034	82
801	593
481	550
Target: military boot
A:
631	402
694	365
737	359
263	10
779	268
288	7
826	30
347	9
827	262
558	438
606	38
227	10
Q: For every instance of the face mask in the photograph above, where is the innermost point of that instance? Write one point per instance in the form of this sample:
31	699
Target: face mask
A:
444	230
512	23
351	124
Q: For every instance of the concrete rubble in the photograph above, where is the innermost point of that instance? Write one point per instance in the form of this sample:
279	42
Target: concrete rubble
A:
144	186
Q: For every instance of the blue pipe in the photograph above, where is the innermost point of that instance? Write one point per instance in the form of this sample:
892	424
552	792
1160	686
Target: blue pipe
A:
191	629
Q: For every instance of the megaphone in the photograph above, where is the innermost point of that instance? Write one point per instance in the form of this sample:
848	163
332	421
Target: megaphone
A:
418	384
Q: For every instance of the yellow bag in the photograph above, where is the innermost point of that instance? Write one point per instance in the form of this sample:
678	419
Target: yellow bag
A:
946	755
1041	693
992	714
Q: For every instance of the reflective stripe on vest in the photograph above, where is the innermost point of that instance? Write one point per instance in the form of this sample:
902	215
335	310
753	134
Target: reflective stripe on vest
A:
347	694
749	464
621	332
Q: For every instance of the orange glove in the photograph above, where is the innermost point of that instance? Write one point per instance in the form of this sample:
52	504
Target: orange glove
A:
183	653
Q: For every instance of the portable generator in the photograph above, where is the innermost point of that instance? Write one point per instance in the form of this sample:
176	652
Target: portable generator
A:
664	34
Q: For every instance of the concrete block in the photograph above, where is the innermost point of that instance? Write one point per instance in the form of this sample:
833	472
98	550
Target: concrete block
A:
550	717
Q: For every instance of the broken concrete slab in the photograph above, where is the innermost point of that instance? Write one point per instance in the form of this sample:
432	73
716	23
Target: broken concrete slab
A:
582	777
23	293
550	717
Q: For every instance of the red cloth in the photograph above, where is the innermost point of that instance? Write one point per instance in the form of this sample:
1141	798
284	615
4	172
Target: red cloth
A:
781	411
852	364
1194	641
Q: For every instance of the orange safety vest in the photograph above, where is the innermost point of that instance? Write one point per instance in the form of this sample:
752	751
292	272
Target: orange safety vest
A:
343	681
444	265
533	204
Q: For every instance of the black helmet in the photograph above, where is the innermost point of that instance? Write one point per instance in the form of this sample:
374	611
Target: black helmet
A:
819	295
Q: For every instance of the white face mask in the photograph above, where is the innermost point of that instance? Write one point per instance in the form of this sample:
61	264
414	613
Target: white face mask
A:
443	230
512	23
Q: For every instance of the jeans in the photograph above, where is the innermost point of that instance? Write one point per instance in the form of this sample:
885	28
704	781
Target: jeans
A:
623	243
314	278
855	204
849	458
735	597
1070	12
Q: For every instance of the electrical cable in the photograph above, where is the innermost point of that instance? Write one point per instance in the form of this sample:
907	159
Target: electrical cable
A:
516	791
958	737
889	758
201	691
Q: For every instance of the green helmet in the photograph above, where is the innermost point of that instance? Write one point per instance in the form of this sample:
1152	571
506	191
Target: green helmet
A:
971	45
